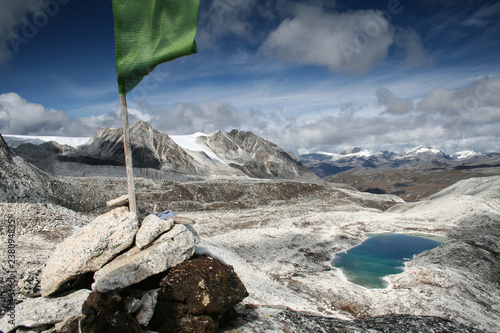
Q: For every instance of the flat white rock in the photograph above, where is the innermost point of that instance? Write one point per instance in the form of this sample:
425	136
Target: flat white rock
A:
42	311
135	265
90	248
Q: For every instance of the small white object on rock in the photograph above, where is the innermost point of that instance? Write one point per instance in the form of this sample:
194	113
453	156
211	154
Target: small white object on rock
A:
90	248
135	265
42	311
152	227
118	202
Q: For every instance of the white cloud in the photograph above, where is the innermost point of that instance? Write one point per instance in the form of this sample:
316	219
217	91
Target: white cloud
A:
485	15
394	105
352	42
439	99
473	98
459	119
451	120
17	116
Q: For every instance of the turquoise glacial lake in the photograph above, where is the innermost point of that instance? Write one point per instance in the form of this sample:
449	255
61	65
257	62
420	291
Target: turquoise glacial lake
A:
380	255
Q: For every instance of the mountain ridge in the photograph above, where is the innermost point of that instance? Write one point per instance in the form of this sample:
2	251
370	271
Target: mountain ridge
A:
330	164
231	154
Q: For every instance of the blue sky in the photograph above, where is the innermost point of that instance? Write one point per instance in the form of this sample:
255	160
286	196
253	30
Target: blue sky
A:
306	75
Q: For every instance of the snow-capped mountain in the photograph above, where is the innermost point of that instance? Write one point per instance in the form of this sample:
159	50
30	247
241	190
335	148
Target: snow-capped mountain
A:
465	154
326	164
411	174
158	155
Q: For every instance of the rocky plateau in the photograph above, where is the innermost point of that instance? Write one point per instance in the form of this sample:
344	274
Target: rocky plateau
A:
280	236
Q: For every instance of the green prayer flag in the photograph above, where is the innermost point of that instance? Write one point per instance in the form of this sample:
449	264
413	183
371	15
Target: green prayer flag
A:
150	32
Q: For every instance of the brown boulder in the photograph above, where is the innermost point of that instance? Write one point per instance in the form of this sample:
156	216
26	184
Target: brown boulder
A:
197	295
107	312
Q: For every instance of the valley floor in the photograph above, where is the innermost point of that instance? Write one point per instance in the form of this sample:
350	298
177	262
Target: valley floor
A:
283	254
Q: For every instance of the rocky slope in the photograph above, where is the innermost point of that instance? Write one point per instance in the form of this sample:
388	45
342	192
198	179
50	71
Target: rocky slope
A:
414	182
255	156
150	149
20	181
155	155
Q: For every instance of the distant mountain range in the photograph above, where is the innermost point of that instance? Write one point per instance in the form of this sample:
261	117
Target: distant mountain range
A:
157	155
328	164
413	174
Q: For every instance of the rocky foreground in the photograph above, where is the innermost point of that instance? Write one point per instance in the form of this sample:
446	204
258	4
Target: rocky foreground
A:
277	237
280	238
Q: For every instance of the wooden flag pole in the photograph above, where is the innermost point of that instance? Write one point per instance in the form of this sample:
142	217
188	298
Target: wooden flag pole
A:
128	156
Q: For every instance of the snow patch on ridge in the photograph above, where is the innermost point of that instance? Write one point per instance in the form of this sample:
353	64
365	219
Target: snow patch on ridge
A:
465	154
336	156
184	141
189	142
422	149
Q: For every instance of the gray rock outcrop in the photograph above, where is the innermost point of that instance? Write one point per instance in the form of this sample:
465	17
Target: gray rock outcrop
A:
135	265
41	311
94	249
89	248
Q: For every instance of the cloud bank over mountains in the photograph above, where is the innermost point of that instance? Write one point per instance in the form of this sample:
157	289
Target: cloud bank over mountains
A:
452	120
306	74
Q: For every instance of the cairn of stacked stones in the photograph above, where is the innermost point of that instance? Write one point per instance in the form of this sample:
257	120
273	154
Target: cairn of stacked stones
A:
119	275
